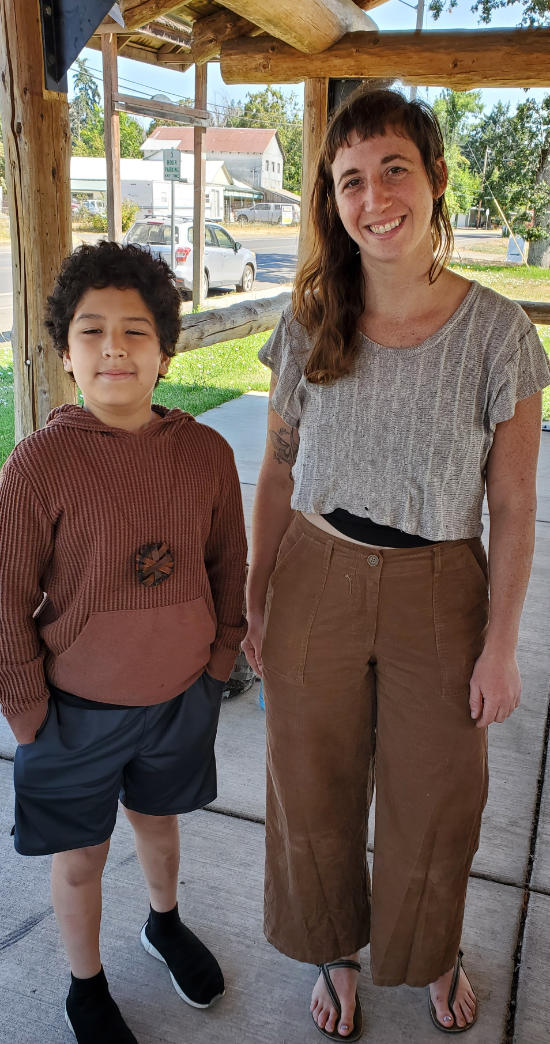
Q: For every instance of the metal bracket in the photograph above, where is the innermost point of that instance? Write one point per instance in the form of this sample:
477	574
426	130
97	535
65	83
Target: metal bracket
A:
67	25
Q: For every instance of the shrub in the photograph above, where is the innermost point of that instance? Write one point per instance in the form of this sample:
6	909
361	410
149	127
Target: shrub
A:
129	211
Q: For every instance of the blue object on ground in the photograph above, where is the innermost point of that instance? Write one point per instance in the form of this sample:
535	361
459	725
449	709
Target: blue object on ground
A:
261	696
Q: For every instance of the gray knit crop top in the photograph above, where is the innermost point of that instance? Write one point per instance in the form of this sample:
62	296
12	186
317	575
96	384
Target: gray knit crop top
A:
404	437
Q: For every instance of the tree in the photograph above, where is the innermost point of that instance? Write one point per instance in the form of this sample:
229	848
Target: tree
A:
169	123
132	136
455	112
464	184
270	108
518	169
535	12
527	134
85	102
92	142
224	114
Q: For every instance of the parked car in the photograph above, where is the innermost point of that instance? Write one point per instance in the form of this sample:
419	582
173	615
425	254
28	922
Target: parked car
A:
269	213
226	262
93	206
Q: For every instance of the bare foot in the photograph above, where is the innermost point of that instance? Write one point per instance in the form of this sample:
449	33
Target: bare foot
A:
322	1007
464	1005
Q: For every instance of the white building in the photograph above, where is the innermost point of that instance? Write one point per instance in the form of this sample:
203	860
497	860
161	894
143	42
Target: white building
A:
252	155
143	183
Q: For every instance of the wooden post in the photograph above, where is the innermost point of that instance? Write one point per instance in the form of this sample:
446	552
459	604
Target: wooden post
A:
112	135
199	188
37	142
315	121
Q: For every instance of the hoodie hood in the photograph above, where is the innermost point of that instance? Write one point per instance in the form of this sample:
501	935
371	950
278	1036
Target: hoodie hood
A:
73	416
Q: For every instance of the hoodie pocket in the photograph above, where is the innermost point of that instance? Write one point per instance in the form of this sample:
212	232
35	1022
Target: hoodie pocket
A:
137	656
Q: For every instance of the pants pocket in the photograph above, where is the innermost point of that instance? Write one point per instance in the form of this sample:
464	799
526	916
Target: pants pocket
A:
461	613
292	600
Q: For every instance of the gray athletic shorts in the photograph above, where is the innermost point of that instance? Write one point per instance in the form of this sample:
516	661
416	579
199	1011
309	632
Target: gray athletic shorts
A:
158	760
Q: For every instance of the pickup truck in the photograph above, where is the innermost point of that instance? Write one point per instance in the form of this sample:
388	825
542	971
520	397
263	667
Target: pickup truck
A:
269	214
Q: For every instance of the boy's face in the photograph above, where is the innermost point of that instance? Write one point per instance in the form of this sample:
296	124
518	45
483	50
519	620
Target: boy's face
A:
114	354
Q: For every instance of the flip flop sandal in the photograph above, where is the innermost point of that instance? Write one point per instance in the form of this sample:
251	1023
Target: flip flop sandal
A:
357	1028
452	993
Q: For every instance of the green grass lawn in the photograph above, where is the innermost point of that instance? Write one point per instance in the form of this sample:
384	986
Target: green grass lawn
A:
206	377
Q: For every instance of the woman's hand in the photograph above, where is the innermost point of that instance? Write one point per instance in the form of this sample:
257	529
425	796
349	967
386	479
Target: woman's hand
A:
495	687
252	643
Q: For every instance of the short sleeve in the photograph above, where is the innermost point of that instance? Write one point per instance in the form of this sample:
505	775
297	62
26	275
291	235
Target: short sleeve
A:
281	354
527	371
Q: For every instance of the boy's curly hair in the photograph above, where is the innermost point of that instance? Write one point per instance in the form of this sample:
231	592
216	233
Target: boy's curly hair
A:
124	267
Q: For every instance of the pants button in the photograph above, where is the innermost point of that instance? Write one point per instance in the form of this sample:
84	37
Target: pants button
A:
373	560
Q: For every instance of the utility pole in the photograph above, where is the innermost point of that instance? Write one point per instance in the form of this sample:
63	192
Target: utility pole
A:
418	27
482	186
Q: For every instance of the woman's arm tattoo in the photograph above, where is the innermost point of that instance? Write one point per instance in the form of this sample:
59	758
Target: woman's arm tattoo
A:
285	445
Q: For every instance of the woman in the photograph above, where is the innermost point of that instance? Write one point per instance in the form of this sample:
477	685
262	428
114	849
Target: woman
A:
399	390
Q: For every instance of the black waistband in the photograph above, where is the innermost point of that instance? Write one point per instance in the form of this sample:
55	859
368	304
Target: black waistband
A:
368	532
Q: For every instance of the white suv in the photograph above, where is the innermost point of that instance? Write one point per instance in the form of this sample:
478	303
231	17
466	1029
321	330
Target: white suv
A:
226	262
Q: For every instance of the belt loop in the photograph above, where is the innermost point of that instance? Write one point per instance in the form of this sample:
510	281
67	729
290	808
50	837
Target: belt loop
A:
437	559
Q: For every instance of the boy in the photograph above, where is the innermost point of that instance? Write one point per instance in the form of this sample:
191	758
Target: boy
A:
128	516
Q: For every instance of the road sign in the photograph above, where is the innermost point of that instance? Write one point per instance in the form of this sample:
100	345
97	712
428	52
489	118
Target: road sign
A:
171	159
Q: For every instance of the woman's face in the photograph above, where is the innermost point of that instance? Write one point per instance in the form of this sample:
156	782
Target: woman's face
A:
384	198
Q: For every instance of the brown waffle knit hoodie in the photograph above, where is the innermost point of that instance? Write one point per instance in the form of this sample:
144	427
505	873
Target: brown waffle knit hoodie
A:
138	541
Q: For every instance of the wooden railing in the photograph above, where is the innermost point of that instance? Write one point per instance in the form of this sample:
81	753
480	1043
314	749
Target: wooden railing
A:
249	317
227	323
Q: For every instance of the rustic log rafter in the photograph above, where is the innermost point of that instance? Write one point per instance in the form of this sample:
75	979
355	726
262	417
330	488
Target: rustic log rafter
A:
127	47
310	26
209	33
139	12
455	58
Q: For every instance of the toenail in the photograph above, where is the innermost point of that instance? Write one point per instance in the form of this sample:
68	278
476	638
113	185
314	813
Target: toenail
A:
447	1018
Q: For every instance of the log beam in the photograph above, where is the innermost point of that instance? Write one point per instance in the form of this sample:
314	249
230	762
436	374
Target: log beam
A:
315	121
537	311
455	58
367	5
310	25
230	323
138	12
37	142
142	54
209	33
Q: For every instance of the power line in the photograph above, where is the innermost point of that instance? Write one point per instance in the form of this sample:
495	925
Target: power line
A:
213	107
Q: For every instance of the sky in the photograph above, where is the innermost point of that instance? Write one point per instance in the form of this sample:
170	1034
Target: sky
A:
144	80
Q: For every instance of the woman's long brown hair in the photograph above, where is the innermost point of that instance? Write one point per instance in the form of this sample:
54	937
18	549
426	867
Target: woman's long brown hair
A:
328	297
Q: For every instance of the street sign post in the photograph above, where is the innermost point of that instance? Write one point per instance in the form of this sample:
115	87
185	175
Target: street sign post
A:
171	159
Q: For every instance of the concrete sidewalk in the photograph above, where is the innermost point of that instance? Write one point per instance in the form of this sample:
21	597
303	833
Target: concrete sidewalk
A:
507	925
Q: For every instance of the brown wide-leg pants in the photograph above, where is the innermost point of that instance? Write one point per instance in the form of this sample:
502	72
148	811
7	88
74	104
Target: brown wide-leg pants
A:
367	661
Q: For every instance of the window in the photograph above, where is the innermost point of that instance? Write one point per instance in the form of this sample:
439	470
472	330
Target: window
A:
157	235
168	235
273	166
208	237
224	239
139	234
267	164
278	168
